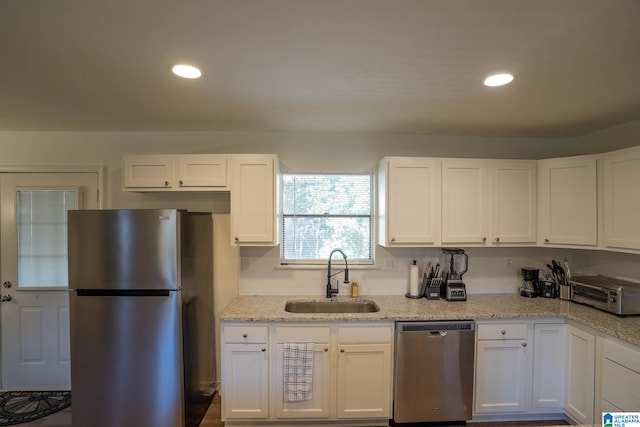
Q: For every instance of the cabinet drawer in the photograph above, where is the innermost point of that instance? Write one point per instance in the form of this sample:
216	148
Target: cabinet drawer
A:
319	334
502	331
365	334
245	334
622	355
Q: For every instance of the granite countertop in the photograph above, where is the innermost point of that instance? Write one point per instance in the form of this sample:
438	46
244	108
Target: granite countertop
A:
477	307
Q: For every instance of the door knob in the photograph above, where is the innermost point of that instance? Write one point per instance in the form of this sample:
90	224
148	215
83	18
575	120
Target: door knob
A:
4	298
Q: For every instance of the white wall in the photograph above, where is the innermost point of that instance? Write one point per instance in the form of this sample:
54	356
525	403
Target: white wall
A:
490	270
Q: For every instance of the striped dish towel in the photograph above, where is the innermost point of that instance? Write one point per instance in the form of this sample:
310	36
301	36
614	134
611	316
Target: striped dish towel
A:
297	370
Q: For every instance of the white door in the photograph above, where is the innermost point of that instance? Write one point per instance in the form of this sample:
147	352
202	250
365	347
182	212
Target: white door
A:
33	270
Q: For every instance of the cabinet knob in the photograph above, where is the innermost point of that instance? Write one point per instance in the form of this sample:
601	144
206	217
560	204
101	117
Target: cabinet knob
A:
244	335
180	182
497	239
484	239
524	344
166	183
326	349
503	332
342	350
546	240
393	239
263	349
236	240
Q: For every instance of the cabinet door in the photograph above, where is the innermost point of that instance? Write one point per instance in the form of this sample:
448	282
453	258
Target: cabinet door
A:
622	199
579	371
500	376
144	171
513	202
409	201
620	376
567	202
253	200
548	365
245	381
318	406
364	381
202	170
465	201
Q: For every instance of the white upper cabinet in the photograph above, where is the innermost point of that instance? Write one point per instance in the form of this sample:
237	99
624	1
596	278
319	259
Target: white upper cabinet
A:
513	201
488	202
622	199
254	199
168	172
408	201
567	201
465	201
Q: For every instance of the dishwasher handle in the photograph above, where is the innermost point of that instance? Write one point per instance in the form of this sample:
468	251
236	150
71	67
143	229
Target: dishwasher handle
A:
437	327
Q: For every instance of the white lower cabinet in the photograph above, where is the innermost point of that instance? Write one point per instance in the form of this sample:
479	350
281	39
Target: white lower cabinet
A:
519	368
548	366
579	379
245	373
352	373
318	406
364	372
619	376
501	367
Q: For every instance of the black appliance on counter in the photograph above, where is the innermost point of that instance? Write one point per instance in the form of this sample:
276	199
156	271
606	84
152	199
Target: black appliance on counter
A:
453	288
529	286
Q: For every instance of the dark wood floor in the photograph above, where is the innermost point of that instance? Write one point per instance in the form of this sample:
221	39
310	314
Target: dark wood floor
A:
213	415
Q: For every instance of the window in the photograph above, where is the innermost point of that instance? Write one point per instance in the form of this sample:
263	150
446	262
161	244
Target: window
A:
42	236
322	212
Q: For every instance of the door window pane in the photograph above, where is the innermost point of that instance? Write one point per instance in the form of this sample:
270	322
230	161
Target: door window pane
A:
42	236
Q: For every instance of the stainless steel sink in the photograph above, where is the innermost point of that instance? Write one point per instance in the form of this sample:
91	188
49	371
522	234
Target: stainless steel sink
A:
331	306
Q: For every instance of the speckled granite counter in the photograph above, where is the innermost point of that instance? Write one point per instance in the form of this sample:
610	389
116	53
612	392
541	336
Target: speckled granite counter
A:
480	306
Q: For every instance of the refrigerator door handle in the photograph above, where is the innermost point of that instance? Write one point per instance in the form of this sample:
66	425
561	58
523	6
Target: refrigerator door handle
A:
121	293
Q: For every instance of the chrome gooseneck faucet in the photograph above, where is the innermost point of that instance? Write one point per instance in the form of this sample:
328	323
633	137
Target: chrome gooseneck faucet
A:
331	291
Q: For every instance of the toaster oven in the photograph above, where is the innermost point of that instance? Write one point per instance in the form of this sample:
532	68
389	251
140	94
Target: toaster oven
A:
606	293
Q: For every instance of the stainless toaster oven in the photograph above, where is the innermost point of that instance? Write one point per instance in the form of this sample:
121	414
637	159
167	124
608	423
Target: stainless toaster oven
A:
606	293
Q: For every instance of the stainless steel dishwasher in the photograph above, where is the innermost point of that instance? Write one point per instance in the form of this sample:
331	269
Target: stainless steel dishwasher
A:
433	371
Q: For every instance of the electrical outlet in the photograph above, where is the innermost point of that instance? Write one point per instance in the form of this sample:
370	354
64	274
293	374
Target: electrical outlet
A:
390	264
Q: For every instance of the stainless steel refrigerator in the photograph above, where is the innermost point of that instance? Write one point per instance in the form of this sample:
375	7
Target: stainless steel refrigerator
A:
141	314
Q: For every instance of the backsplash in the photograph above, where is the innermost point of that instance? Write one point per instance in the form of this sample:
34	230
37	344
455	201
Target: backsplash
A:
491	270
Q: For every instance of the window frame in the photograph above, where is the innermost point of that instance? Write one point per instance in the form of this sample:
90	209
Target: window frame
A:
313	263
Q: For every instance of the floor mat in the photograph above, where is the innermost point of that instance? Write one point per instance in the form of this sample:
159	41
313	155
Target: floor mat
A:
17	407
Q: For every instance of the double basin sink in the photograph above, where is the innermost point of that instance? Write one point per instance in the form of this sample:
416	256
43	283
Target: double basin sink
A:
331	306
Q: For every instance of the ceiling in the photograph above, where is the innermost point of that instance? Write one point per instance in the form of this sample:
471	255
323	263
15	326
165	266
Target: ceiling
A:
367	66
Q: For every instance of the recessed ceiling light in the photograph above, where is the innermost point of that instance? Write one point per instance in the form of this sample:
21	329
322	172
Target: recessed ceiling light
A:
498	79
186	71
